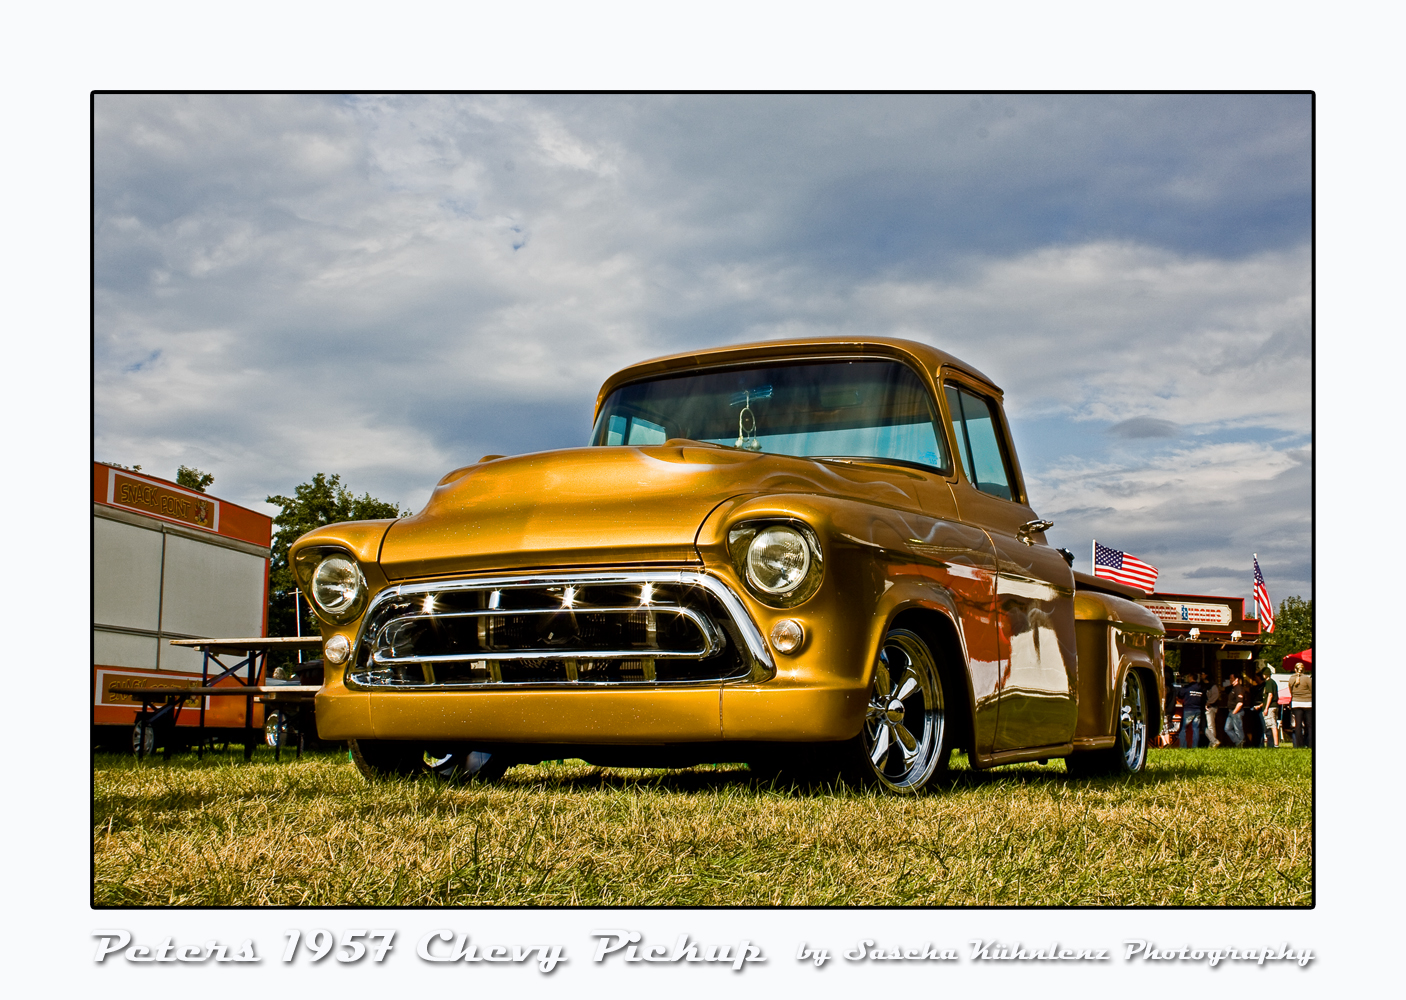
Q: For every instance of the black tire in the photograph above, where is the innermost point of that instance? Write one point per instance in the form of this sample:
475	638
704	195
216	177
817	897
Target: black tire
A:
387	758
406	759
143	739
1129	753
461	766
906	739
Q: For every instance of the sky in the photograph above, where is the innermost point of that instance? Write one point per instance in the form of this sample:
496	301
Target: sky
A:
388	287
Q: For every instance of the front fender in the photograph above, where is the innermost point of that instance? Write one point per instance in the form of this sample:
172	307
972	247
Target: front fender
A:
880	563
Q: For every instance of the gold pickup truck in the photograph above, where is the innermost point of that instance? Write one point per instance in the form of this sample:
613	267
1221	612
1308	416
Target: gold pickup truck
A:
813	556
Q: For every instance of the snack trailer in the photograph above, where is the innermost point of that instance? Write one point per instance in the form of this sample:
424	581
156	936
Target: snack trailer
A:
170	563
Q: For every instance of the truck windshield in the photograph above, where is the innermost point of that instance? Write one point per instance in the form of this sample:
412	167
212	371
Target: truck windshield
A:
823	409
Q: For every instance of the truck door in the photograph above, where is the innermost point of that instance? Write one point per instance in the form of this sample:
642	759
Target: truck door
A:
1038	674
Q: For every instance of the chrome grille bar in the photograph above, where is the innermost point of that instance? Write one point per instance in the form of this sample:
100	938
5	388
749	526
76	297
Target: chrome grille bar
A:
685	614
711	640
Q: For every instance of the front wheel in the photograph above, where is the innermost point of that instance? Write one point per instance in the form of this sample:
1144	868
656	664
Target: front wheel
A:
405	759
1128	755
467	765
906	739
387	758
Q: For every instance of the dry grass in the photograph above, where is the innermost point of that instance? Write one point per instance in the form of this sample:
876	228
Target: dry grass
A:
1201	828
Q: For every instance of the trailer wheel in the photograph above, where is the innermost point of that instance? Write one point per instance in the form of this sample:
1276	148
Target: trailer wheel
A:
143	739
277	728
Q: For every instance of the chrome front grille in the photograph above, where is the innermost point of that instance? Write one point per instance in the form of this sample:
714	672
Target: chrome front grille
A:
575	630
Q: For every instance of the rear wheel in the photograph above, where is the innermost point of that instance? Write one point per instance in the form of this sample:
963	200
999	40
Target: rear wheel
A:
1128	755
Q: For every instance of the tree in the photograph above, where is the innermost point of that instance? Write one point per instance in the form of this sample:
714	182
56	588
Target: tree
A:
1293	630
193	479
322	500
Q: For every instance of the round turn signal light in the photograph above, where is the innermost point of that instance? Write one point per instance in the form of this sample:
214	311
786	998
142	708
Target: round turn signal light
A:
787	635
336	649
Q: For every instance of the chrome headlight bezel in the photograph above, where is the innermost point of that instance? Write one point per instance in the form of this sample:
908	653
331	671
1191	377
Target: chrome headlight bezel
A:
740	540
346	609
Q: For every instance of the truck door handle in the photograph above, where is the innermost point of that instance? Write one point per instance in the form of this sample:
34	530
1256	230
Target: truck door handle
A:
1030	528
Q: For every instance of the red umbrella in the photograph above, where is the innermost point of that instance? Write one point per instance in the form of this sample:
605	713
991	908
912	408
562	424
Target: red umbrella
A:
1293	659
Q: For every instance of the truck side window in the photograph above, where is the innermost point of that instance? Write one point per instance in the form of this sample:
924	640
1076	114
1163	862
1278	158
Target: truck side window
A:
979	441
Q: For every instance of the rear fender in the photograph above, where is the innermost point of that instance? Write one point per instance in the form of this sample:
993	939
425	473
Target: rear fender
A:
1113	636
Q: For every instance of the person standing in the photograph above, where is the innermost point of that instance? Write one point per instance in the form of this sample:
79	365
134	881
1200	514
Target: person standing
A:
1301	706
1193	704
1269	708
1251	712
1213	703
1235	718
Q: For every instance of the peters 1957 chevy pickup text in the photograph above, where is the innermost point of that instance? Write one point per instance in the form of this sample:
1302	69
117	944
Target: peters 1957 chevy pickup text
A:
812	556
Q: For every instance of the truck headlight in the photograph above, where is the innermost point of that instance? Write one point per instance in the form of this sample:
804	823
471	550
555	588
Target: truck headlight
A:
777	559
337	587
780	562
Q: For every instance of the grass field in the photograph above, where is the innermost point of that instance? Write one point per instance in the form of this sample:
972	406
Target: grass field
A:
1200	828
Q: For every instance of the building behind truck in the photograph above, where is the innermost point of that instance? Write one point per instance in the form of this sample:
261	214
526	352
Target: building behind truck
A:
1210	635
170	563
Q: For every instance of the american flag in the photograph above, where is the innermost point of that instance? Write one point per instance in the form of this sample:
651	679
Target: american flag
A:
1263	606
1123	568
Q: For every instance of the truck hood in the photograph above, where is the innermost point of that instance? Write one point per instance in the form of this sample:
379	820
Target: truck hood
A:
598	506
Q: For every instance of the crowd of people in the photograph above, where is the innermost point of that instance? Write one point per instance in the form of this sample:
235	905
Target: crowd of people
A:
1245	710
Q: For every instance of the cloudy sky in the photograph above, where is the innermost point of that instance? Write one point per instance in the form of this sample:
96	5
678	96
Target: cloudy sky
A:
389	287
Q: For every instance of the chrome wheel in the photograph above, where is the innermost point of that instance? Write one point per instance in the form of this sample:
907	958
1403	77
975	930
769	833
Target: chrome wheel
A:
904	737
1132	723
446	761
143	739
463	766
1128	755
277	729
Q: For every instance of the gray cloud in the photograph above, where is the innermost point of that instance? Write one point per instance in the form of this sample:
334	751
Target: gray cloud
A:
1213	573
1197	506
287	285
1144	427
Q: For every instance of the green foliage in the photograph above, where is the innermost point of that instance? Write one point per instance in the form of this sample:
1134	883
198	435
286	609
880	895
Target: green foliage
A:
1293	630
321	500
193	479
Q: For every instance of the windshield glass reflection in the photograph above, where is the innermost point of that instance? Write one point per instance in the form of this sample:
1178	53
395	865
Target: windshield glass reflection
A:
861	409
